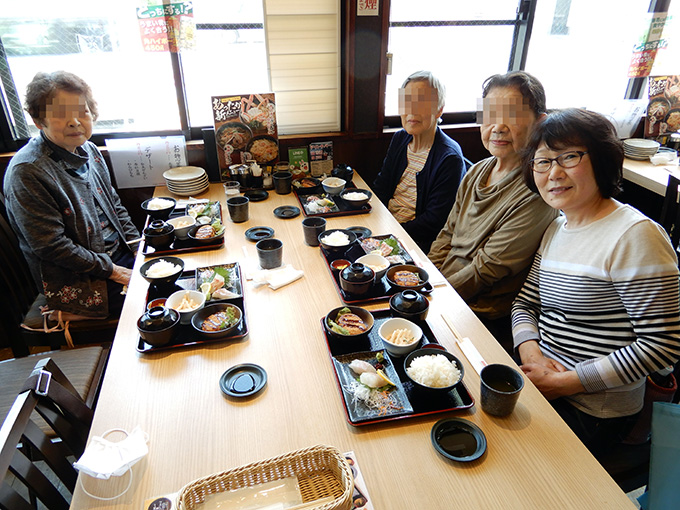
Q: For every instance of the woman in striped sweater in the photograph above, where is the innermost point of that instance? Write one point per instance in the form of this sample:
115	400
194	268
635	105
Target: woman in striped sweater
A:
599	310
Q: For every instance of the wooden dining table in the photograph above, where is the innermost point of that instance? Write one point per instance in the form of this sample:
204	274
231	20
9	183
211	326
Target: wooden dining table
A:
532	461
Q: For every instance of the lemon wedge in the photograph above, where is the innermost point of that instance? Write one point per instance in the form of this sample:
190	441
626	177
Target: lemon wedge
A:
387	380
193	213
205	288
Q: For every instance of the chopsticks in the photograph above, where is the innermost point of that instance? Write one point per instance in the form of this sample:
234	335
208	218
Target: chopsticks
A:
134	241
467	347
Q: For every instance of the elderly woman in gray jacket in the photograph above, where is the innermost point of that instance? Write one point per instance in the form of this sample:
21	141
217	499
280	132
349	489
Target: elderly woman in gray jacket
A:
71	225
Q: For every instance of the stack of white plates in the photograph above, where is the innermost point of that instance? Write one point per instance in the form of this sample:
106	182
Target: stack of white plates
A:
186	180
640	148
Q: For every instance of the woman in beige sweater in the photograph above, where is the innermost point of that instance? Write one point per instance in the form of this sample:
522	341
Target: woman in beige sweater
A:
490	237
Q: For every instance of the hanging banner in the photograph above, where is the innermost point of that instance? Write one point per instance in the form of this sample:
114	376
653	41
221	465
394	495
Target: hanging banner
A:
644	52
168	27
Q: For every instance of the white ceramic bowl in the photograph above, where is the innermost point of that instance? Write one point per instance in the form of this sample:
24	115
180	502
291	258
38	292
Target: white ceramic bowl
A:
182	232
333	185
193	296
391	325
377	262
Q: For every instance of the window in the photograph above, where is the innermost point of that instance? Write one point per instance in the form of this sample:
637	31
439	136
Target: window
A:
297	56
579	49
579	68
462	43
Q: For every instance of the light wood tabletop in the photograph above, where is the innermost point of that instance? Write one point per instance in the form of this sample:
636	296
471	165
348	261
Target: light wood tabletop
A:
533	460
647	175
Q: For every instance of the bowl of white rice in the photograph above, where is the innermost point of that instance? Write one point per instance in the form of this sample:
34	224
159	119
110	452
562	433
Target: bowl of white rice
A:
355	197
433	369
159	208
337	240
162	271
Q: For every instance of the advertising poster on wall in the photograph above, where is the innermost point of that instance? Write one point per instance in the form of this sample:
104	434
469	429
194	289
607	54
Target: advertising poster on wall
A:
245	129
663	110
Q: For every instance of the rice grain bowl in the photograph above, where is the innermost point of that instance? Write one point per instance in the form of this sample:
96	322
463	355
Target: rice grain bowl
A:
434	371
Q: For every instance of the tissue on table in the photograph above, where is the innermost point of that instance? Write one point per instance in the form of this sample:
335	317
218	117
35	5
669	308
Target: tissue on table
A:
276	278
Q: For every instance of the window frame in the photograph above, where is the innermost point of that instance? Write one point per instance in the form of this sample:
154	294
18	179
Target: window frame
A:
523	25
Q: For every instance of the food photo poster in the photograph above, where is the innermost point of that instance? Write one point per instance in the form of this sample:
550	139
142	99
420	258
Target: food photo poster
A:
663	111
245	129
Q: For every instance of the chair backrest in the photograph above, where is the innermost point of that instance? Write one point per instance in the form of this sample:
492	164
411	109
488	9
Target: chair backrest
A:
41	466
670	212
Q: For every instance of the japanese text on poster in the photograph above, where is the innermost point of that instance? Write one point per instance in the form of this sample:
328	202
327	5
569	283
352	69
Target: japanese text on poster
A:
140	162
645	50
168	27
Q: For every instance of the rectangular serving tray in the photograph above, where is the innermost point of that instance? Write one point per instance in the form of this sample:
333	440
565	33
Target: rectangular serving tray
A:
182	246
381	289
344	209
422	402
187	335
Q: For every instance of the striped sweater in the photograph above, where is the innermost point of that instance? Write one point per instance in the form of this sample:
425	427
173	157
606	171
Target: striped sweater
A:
604	300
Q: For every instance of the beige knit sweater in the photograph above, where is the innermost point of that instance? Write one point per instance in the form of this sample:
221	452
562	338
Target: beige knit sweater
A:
490	237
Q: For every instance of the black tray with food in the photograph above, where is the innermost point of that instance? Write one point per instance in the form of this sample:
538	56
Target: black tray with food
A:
192	280
212	211
405	400
381	289
315	202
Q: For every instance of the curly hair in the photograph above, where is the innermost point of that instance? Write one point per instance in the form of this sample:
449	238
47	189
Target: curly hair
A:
44	86
571	127
532	90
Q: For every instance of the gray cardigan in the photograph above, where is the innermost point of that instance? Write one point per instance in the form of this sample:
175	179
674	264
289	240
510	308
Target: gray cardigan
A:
52	210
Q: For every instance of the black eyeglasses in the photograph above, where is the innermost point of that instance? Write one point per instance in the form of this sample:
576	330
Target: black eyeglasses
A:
565	160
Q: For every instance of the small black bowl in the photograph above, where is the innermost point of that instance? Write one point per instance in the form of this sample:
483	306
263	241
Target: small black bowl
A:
162	336
337	249
159	238
159	214
356	204
428	351
204	241
423	277
410	304
357	278
458	439
162	280
200	316
364	315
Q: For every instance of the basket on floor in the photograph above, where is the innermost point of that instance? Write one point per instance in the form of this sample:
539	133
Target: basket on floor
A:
322	471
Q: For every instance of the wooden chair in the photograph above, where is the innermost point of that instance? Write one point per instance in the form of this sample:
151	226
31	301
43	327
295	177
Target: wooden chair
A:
37	462
83	367
670	211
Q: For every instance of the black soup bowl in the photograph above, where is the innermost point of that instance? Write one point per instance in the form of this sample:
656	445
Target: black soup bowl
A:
158	326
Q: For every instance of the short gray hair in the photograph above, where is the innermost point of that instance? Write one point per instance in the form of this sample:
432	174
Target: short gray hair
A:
432	81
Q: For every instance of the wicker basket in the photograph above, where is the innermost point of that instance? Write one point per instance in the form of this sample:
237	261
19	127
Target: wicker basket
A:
322	471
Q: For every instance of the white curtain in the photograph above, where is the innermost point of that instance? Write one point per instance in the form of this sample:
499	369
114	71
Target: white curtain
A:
303	53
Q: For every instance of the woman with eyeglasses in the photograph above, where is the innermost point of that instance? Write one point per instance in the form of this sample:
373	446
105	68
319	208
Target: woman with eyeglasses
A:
599	310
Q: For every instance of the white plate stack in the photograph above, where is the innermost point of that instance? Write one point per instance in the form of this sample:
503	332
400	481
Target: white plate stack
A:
186	180
640	148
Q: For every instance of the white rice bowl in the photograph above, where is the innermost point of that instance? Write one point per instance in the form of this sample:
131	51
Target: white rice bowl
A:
434	370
